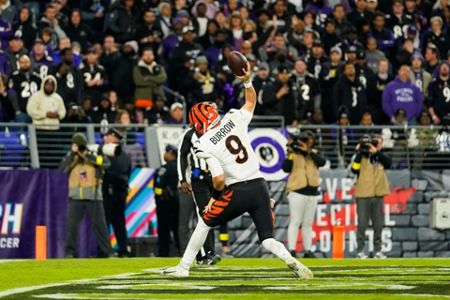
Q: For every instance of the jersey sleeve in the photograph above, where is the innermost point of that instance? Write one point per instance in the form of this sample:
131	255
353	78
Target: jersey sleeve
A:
214	166
241	116
201	151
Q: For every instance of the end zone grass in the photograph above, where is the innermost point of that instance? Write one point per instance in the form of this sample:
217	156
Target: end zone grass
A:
138	278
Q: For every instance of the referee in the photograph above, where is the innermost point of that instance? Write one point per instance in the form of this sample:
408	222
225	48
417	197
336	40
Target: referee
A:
197	192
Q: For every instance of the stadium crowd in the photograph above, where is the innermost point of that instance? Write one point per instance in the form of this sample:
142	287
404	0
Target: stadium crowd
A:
316	61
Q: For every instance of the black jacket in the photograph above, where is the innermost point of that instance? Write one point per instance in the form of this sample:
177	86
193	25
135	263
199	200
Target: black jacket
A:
121	23
95	72
439	96
26	31
286	106
70	85
145	30
351	95
178	57
120	170
82	34
166	182
22	85
308	90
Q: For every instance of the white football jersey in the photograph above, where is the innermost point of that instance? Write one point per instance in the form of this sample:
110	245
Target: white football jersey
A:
230	144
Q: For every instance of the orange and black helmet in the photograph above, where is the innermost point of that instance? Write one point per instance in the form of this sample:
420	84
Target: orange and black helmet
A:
203	116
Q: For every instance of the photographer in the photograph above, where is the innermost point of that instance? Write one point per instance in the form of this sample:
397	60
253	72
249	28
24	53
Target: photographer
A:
371	186
115	190
302	164
85	169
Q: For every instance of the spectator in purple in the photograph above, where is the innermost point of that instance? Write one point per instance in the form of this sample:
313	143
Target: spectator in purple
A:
15	50
40	59
402	93
5	33
5	67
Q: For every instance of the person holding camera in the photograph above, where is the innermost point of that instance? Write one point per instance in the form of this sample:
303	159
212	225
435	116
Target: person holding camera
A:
303	184
371	186
115	190
85	169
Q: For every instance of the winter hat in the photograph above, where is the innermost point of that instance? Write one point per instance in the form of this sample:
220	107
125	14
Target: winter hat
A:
418	55
79	139
134	45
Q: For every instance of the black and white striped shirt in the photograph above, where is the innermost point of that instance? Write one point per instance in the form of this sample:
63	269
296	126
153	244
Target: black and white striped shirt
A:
187	157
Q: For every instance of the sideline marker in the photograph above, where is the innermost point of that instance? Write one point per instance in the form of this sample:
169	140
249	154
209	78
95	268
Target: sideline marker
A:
41	242
338	241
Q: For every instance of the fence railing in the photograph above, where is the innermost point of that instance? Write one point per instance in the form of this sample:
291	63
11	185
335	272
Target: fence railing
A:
410	147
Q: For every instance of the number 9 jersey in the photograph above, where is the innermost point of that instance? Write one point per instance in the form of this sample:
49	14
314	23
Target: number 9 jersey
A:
229	143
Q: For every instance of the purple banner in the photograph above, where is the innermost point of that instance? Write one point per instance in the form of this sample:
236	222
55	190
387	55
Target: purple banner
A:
28	199
37	197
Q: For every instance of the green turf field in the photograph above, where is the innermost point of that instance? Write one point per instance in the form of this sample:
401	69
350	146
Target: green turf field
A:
139	278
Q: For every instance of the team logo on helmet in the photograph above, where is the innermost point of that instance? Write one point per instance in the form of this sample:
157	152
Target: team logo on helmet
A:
203	116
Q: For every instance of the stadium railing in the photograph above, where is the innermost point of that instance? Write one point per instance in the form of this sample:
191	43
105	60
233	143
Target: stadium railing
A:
411	147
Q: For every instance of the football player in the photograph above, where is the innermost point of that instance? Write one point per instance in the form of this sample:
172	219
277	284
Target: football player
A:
238	186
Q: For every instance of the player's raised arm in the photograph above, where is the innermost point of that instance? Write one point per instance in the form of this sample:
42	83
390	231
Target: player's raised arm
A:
250	93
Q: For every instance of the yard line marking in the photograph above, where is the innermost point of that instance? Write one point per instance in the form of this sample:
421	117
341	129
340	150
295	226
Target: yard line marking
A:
28	289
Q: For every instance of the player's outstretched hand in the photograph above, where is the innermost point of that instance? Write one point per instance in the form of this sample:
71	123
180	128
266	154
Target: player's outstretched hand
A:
247	73
209	206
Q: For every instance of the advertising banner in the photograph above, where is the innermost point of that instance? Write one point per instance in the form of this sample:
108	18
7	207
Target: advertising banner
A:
28	199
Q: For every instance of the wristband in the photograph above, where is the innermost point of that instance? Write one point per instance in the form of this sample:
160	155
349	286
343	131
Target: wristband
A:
248	84
216	194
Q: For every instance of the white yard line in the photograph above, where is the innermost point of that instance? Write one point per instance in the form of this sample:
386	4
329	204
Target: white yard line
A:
27	289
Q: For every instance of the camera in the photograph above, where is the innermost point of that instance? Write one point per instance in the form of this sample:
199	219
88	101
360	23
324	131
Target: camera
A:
300	138
111	150
364	144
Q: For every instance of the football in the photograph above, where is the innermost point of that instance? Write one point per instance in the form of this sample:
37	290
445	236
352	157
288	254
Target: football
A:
236	62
